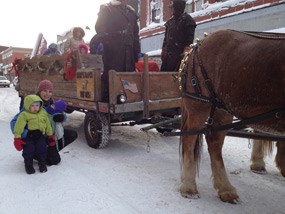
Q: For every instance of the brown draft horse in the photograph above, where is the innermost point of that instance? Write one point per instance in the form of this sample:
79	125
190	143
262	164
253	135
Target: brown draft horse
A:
262	148
243	74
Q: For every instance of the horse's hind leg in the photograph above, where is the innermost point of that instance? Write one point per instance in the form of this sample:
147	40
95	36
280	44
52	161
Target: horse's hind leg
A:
257	157
280	157
215	142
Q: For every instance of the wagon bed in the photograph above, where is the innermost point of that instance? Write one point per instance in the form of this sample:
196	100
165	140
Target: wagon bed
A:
149	96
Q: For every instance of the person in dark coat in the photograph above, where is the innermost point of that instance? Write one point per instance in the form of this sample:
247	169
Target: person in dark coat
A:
117	26
96	45
179	34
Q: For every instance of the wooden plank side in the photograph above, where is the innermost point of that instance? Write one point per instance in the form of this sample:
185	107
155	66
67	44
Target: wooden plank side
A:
128	83
146	94
32	71
164	85
91	61
29	82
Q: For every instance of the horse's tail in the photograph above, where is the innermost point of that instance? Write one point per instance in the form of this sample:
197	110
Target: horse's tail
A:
198	151
266	146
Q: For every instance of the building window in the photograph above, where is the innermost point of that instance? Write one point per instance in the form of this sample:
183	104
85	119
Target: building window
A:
198	5
155	8
189	7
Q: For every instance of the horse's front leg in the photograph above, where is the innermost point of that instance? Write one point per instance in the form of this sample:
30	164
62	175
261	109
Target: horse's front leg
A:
188	188
226	191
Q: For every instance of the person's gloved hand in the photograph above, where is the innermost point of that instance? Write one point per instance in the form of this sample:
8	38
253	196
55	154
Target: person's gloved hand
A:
34	134
51	141
18	143
58	118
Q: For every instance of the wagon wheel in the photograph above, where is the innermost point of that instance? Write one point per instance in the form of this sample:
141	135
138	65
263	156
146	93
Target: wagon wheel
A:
96	130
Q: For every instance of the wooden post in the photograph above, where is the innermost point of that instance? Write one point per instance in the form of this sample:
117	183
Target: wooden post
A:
112	97
146	87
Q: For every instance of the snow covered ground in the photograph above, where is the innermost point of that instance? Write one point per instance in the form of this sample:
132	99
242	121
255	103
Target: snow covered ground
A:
125	178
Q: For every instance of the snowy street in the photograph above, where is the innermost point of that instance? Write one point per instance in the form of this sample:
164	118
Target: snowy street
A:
125	178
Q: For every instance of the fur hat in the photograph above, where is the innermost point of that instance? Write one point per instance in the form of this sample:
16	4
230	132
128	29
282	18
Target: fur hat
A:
74	31
45	85
57	107
81	45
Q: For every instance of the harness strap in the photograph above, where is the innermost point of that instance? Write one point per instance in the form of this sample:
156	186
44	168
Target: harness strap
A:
277	113
194	80
183	78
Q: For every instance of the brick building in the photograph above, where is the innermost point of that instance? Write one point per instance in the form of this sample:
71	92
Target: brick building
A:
2	48
8	55
210	16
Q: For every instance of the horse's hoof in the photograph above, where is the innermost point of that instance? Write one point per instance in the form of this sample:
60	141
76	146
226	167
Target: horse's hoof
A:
231	198
191	196
235	201
261	172
187	192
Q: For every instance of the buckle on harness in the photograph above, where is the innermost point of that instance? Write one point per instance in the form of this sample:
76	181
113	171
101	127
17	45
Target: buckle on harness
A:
193	81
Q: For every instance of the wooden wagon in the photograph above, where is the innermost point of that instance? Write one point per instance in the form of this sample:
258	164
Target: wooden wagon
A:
140	97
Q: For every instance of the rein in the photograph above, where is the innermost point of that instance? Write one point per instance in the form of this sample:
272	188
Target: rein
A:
277	113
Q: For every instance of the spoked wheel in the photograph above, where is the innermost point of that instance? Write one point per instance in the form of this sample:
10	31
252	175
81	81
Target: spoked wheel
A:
96	130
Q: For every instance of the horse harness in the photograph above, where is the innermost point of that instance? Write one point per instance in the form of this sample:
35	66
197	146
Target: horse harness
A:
212	98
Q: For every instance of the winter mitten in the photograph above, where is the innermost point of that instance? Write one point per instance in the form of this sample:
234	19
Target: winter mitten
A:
18	143
51	140
58	118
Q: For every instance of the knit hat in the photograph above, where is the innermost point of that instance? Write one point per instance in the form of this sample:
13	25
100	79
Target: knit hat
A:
45	85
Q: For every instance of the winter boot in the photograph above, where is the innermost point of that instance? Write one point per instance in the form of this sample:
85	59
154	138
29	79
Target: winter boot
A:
42	167
42	164
29	166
